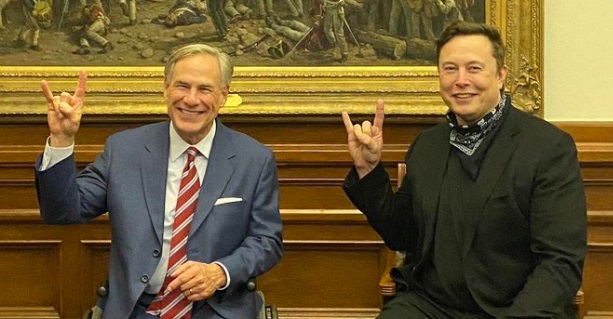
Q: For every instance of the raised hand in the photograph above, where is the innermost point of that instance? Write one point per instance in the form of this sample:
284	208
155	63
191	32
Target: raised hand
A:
64	112
365	141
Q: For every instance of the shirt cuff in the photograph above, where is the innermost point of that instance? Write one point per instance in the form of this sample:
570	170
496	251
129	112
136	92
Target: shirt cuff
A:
225	270
53	155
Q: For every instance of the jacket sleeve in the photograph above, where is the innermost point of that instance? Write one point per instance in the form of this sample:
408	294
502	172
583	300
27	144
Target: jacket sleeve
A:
389	213
558	225
67	197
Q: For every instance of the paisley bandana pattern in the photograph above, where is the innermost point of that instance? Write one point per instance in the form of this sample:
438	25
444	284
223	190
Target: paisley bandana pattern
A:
467	138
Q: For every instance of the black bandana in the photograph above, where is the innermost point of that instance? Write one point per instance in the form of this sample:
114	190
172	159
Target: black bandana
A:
467	138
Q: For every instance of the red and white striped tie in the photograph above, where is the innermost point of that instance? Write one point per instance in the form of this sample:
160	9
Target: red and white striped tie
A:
174	305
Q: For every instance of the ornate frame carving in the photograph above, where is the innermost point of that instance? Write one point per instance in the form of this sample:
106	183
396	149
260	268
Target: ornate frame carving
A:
296	90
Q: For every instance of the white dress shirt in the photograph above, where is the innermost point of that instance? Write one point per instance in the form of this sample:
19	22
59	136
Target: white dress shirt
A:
177	158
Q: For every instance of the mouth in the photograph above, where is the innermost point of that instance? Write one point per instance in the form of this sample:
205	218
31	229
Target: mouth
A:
189	112
463	95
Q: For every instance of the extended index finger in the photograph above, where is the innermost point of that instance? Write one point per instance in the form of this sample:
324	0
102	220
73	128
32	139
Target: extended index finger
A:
379	115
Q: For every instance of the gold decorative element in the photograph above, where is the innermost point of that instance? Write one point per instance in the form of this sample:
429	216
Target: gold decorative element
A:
526	89
524	53
233	100
407	90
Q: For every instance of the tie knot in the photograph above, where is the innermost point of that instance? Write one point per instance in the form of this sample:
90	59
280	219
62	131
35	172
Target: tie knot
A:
192	152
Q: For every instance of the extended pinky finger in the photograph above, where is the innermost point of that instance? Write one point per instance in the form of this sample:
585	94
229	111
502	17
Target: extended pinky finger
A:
46	91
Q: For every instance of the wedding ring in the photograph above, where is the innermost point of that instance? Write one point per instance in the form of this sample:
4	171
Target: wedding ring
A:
190	291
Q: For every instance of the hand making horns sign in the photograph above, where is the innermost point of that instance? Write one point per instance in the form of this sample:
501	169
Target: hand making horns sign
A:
64	112
365	141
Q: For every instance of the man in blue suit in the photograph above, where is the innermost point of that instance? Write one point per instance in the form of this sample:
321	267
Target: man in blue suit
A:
235	233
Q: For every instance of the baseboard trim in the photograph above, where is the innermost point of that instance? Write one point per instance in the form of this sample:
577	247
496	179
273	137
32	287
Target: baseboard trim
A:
598	315
328	313
28	313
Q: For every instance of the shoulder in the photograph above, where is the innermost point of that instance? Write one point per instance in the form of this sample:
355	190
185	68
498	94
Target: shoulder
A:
141	133
538	138
536	129
439	131
240	141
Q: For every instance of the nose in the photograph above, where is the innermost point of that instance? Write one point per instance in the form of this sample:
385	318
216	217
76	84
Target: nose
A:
463	78
191	98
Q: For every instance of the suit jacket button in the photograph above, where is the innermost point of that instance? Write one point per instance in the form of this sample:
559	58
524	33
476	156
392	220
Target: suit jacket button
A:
156	253
144	278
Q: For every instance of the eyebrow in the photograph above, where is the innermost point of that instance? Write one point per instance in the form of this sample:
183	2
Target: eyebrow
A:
178	82
443	63
200	86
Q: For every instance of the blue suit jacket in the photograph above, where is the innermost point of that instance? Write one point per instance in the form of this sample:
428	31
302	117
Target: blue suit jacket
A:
128	180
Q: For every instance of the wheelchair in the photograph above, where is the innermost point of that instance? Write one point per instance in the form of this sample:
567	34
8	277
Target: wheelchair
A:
268	311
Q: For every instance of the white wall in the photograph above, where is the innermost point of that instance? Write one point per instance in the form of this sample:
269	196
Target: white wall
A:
578	66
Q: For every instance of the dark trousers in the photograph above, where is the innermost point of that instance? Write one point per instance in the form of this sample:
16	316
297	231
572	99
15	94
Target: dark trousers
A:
414	305
140	309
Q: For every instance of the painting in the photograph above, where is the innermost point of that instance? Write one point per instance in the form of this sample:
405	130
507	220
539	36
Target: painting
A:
286	52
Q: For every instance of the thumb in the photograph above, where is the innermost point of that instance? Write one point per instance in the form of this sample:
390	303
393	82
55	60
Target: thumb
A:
65	109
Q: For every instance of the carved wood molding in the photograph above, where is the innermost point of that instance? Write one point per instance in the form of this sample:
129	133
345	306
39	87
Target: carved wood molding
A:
523	29
20	156
290	217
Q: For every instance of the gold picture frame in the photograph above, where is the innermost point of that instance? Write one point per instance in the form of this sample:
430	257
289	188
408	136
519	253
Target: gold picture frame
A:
297	91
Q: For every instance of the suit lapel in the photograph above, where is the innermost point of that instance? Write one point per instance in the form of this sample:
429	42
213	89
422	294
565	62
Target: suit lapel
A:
218	173
494	164
436	162
154	172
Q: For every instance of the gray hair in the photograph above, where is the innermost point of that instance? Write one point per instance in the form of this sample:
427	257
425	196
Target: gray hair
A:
225	63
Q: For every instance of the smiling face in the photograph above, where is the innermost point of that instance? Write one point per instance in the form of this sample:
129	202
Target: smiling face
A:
469	78
194	94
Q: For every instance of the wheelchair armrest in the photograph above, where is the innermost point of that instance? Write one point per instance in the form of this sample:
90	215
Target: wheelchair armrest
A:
270	311
387	286
251	284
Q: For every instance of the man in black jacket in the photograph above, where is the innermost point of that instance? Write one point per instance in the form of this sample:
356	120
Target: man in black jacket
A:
492	210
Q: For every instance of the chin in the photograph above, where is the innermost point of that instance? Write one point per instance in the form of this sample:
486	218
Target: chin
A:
461	111
190	127
183	125
464	114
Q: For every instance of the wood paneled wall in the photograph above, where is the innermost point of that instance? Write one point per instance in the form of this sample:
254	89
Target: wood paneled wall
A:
333	259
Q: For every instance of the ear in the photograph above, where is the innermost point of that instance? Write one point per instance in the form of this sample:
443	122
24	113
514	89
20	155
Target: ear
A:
224	95
502	77
165	86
